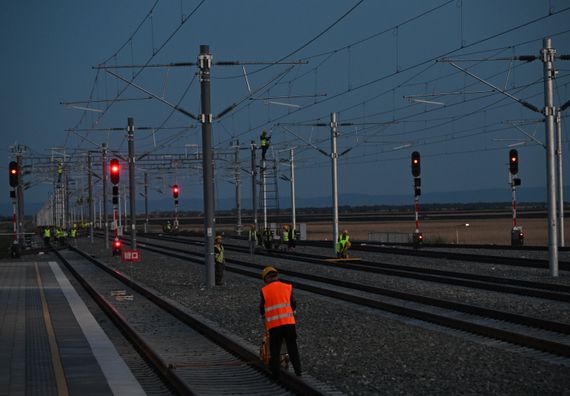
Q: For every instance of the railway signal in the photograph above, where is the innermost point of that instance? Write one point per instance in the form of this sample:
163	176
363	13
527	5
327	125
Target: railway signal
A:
117	247
115	169
418	239
13	173
416	166
513	162
175	194
517	236
416	172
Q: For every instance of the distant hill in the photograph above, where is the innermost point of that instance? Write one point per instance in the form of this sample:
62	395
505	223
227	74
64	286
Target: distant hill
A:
528	194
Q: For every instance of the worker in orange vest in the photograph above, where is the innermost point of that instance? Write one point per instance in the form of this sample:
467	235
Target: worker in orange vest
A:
277	308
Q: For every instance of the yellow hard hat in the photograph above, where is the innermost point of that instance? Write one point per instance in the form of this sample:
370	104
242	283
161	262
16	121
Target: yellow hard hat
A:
266	271
345	232
218	238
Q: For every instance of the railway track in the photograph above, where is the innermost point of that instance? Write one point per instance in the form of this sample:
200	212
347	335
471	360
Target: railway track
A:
191	355
447	255
542	335
525	288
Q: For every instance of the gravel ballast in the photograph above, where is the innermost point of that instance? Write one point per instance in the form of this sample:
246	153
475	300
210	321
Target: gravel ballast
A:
358	350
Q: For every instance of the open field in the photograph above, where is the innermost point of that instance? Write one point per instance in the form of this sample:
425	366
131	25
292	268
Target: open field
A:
479	231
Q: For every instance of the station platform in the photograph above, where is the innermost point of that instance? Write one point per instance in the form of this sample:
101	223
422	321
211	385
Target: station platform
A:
50	344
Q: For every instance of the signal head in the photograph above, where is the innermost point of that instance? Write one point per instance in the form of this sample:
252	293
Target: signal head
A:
416	165
13	173
115	170
175	191
513	162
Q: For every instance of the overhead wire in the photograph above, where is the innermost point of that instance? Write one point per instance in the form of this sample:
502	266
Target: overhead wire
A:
304	45
421	63
142	68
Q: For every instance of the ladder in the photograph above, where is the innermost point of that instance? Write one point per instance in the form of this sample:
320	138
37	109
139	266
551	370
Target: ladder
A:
268	188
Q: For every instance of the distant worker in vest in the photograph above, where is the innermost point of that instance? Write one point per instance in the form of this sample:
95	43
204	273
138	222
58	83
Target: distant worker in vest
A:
60	236
59	171
219	259
264	143
47	235
277	308
167	227
285	238
73	234
292	238
252	239
343	244
268	239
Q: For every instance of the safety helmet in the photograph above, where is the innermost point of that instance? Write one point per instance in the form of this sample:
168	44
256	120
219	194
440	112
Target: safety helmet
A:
218	238
345	232
266	271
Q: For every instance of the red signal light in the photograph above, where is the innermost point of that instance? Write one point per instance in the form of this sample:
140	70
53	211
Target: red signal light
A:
117	243
416	168
513	162
115	168
175	191
13	173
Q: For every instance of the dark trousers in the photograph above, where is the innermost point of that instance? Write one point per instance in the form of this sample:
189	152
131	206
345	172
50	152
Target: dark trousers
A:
276	337
219	272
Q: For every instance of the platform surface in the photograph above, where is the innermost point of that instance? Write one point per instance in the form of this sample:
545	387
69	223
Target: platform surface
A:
50	344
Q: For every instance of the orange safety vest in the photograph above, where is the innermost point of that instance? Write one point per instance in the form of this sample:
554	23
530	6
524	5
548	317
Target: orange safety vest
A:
278	311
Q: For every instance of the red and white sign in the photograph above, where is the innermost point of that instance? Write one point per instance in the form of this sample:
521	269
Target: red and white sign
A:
131	255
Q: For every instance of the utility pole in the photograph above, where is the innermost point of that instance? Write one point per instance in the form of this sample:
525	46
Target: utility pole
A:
205	64
104	173
254	184
90	199
132	187
264	191
334	158
548	54
66	212
333	155
560	179
293	208
238	188
146	202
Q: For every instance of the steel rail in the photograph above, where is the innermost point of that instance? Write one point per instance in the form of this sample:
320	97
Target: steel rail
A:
288	380
549	346
512	286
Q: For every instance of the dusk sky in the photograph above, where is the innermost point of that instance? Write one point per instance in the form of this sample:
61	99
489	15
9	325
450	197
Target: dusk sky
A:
382	66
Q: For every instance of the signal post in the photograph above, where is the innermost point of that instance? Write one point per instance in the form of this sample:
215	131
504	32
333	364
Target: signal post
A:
175	193
13	174
115	172
416	172
517	236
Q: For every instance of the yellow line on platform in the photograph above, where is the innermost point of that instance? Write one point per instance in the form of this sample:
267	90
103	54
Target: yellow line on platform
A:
56	359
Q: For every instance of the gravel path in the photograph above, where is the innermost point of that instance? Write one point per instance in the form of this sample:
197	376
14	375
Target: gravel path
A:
358	350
